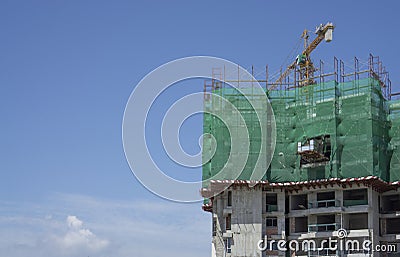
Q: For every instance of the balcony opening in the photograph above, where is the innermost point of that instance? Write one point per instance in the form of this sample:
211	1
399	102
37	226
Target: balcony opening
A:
358	221
325	199
324	223
315	151
300	224
390	204
272	202
393	226
299	202
355	197
326	219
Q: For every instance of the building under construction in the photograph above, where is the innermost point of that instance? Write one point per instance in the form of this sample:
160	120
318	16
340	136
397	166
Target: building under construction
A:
335	166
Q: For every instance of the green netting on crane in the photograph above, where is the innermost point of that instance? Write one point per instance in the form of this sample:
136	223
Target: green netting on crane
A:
359	130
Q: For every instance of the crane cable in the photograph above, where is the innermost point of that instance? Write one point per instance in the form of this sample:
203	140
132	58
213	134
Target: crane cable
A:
287	61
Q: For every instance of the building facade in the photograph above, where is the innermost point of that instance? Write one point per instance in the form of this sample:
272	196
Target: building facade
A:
362	215
334	170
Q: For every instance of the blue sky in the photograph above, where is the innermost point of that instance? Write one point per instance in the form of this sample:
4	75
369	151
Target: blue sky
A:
67	69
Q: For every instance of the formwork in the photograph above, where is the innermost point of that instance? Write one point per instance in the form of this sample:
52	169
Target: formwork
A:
344	125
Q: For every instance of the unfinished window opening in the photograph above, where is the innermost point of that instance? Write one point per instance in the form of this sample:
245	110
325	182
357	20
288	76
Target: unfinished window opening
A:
300	224
355	197
299	202
228	245
228	223
315	151
272	202
325	199
358	221
324	223
229	198
393	226
271	222
326	219
390	203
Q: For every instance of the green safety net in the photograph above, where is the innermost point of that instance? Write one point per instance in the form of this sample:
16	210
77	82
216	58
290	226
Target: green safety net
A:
363	128
394	145
218	128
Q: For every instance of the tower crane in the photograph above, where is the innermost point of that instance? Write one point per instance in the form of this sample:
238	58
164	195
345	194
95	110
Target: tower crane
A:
303	61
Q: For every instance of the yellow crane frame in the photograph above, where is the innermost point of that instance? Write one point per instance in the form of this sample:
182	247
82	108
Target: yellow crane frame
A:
303	61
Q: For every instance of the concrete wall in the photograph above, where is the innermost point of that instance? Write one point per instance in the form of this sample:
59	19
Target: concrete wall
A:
246	218
249	213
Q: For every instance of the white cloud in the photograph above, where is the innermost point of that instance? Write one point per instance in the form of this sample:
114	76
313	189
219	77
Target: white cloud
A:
88	226
73	222
78	237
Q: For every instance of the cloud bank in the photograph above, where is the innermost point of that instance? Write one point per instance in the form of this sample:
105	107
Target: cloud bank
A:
76	225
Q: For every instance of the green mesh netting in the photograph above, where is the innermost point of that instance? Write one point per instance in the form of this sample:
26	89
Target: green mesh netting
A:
363	127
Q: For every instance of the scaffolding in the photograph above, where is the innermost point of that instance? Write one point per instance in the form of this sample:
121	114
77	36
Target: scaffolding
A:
344	126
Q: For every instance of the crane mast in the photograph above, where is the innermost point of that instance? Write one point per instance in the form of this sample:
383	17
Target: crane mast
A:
303	61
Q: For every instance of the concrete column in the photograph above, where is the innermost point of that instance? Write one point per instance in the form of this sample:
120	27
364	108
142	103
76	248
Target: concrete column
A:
339	196
373	217
312	198
281	201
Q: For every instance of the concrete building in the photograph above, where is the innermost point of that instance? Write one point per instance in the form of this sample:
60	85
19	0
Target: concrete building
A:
334	173
364	209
